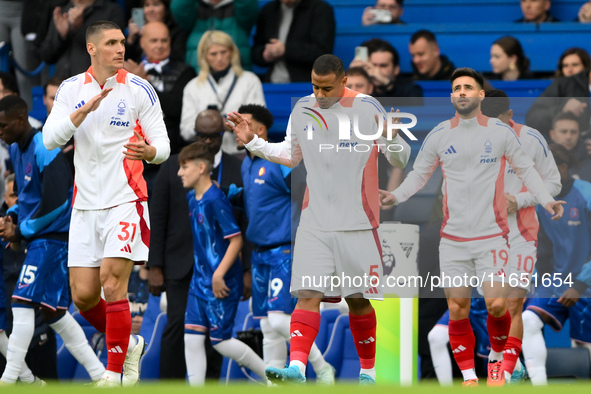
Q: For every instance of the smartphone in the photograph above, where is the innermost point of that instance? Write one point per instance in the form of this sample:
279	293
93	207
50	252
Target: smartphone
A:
361	53
137	16
381	16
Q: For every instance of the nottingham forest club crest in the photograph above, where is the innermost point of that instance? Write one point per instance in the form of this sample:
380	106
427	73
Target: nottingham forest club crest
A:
121	108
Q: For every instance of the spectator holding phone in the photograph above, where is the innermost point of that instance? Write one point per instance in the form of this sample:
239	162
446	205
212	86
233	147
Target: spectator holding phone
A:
384	12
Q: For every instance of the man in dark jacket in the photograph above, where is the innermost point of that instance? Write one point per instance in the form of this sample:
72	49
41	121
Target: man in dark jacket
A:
65	43
427	61
383	66
565	94
290	35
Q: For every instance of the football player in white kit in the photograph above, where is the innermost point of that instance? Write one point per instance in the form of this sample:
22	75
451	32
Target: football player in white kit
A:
337	236
472	150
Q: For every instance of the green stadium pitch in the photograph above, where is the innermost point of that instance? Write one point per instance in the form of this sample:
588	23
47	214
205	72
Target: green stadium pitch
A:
575	387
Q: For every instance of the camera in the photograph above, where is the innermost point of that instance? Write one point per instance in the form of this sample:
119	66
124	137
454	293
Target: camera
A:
381	16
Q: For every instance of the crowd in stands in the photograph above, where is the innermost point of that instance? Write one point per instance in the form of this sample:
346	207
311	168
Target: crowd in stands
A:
206	58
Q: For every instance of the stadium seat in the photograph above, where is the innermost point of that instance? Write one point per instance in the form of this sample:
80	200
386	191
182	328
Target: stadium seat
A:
568	363
150	363
38	110
328	318
557	339
341	352
151	314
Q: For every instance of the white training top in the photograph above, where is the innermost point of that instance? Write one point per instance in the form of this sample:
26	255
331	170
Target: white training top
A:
523	225
104	177
342	181
473	154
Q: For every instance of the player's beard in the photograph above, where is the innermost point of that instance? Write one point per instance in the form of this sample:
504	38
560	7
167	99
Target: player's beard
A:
467	109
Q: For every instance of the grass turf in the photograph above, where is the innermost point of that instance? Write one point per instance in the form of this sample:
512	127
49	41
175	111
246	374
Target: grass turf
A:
53	387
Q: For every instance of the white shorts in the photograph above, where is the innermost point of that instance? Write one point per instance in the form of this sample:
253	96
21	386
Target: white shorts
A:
122	231
522	261
337	263
472	263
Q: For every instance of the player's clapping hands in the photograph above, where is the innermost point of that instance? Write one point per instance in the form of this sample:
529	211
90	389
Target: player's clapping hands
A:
139	150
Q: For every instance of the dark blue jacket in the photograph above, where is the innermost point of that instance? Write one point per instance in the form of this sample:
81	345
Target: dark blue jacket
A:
43	183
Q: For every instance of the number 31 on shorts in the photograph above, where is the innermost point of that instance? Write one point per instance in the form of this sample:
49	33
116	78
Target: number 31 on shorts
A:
124	236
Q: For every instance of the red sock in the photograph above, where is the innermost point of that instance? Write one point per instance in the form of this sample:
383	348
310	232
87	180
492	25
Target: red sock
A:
363	329
97	316
118	331
461	339
511	354
498	331
303	330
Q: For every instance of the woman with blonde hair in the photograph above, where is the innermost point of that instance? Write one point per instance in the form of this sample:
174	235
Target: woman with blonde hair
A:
221	83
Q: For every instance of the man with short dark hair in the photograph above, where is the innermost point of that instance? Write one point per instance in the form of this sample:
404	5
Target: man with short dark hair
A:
344	180
50	91
64	41
427	61
116	120
383	66
359	80
536	11
471	149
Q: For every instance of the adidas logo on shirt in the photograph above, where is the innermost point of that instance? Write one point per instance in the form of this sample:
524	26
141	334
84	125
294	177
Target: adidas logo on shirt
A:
459	349
80	104
450	150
